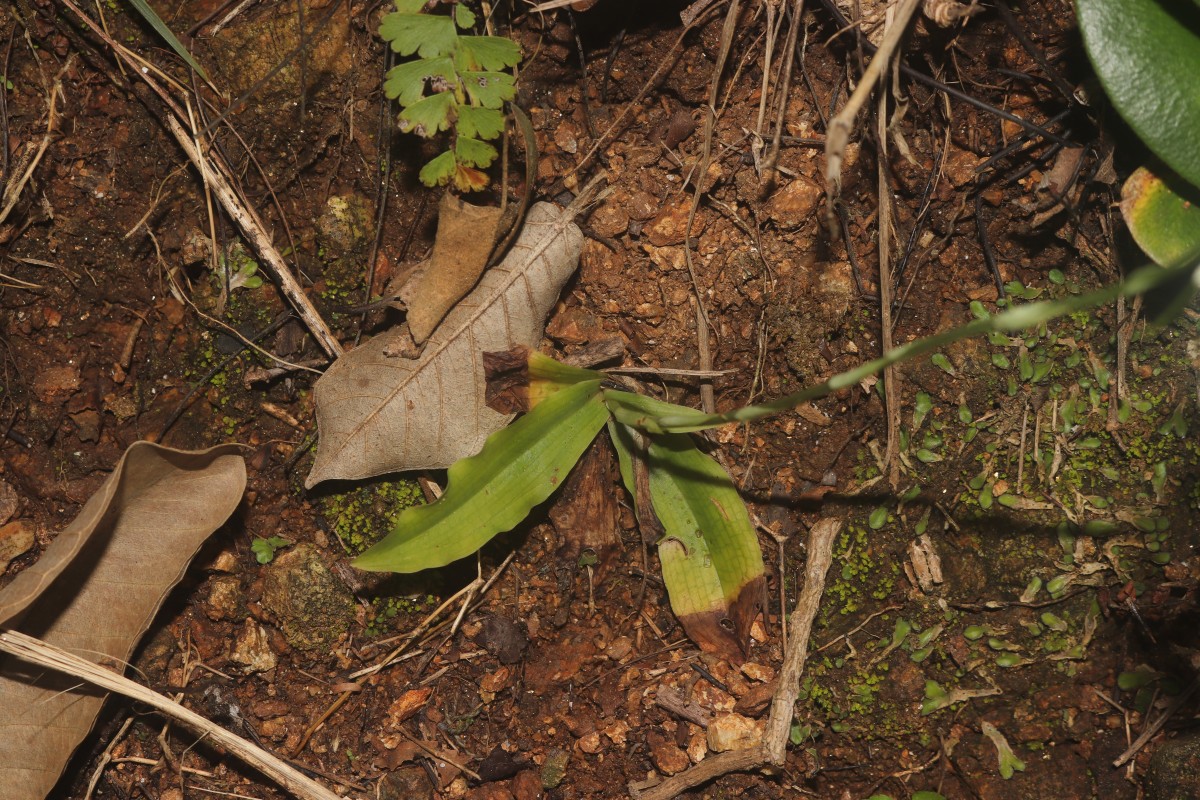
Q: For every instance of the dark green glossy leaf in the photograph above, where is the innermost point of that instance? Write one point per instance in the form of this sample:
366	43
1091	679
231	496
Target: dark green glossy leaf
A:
1147	56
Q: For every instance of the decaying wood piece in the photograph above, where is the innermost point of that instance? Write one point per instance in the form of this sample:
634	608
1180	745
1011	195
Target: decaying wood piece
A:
585	513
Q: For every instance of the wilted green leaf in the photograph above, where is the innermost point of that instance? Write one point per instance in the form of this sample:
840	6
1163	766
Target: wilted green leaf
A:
488	53
473	152
480	123
489	493
428	115
489	89
1163	216
1008	760
427	35
711	562
406	82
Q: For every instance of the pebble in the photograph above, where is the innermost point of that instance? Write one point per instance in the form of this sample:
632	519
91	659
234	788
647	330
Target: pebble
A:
733	732
794	204
669	757
9	502
252	649
15	539
609	220
312	607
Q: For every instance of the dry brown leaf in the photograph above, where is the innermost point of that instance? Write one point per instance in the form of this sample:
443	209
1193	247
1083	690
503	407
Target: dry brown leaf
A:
465	237
380	414
95	590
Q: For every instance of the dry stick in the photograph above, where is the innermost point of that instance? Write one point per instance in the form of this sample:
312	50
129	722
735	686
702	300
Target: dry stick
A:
772	162
246	219
773	748
890	390
38	652
12	192
1154	727
837	135
703	325
252	229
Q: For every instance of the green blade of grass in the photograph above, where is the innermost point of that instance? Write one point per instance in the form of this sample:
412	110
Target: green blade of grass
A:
491	492
160	27
1017	319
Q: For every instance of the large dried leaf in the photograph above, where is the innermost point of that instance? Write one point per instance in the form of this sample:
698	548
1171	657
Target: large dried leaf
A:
379	413
96	589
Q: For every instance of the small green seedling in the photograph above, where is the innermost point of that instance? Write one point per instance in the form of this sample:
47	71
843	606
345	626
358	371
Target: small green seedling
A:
264	549
455	83
1009	763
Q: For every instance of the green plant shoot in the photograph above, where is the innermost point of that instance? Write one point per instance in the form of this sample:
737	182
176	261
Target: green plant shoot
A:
492	492
455	83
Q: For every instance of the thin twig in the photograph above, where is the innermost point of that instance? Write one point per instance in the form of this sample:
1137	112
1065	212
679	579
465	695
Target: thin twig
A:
38	652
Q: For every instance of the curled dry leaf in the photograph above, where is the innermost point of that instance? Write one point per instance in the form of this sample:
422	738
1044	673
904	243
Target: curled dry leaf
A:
464	241
380	414
95	590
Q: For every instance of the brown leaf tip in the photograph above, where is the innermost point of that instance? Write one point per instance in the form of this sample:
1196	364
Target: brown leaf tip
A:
507	375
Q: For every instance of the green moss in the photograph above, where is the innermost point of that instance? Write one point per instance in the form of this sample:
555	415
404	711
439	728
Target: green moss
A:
362	516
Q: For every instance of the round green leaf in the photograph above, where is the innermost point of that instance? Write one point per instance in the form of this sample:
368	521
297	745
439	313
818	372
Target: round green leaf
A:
1147	56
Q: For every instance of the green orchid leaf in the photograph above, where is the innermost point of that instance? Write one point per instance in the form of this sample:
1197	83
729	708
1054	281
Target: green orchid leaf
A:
428	115
439	171
489	89
1147	56
646	413
1163	214
491	53
480	123
1019	318
406	82
493	491
473	152
160	27
463	16
711	562
427	35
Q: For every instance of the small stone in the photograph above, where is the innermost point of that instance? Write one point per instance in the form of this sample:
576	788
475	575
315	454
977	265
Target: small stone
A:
609	220
794	204
345	223
313	607
555	768
642	205
710	697
495	681
54	381
408	704
669	757
9	502
733	732
15	539
590	743
697	747
758	672
1171	773
225	599
617	732
670	226
252	649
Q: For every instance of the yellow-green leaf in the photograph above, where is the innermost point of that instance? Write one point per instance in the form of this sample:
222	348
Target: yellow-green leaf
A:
1163	214
491	492
711	562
